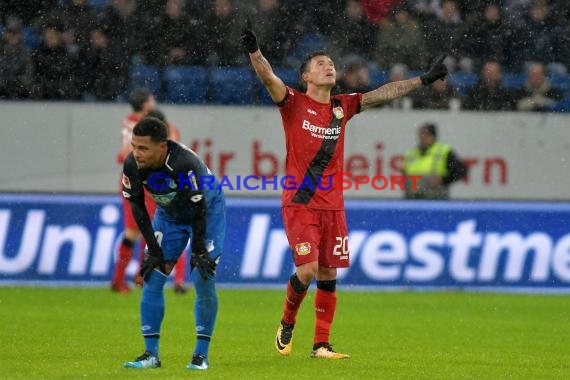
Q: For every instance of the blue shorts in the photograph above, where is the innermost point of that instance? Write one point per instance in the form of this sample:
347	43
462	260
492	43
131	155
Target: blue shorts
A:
173	236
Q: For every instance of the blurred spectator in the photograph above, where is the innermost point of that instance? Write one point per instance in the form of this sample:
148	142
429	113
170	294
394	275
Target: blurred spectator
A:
537	93
355	76
103	72
400	40
275	42
377	11
399	72
78	18
535	38
16	67
489	94
26	11
118	24
444	33
223	23
354	34
54	68
516	9
487	36
425	9
180	36
440	95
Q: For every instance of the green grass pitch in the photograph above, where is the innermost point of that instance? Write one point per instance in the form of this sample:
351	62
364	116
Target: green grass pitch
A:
88	333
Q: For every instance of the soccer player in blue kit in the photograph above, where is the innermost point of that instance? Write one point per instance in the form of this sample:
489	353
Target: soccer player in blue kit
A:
186	209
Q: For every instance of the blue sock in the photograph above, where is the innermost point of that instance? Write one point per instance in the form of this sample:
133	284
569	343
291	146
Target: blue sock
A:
152	310
205	311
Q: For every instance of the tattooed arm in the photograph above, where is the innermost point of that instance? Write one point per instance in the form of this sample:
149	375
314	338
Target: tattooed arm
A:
389	92
396	90
272	82
263	69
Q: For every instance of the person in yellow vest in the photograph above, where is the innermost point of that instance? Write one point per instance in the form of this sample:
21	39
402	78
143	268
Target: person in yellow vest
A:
435	162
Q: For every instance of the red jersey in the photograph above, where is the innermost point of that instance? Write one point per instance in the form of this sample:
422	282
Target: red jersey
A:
127	126
314	139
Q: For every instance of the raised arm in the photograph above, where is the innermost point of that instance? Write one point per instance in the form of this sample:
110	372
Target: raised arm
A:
272	82
394	90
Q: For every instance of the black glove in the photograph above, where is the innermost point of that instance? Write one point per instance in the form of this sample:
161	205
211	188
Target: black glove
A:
248	38
202	260
149	263
437	71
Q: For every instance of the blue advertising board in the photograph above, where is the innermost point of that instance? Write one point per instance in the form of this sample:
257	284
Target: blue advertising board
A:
515	246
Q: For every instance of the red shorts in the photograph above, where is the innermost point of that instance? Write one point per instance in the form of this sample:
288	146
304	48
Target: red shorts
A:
317	235
129	219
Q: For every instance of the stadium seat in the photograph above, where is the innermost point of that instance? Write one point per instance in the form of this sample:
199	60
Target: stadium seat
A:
307	44
561	106
232	85
31	38
146	76
99	5
513	80
561	81
462	81
377	77
186	84
289	76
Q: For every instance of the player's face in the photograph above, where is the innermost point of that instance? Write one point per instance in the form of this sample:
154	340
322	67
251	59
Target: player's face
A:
148	154
321	72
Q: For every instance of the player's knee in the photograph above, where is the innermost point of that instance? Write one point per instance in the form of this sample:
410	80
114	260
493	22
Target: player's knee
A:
205	288
306	272
325	273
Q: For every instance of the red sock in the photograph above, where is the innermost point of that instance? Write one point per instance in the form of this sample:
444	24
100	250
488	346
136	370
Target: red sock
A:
292	303
325	306
179	269
125	255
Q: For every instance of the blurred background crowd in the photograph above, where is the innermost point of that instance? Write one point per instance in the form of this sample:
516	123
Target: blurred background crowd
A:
503	55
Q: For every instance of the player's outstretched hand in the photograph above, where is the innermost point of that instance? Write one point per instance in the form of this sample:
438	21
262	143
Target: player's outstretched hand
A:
149	263
437	71
248	38
204	262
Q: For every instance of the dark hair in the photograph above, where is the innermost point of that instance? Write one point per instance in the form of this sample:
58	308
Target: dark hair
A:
305	64
430	128
139	97
153	127
157	114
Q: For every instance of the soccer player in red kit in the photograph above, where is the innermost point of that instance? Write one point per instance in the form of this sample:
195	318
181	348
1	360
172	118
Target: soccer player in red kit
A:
142	102
314	216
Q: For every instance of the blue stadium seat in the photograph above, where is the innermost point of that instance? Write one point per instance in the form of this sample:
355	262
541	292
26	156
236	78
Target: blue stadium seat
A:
289	76
186	84
146	76
232	85
307	44
513	80
561	81
377	77
462	81
99	5
561	106
31	39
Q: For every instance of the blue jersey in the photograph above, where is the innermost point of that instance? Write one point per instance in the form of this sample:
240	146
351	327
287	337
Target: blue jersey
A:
183	190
